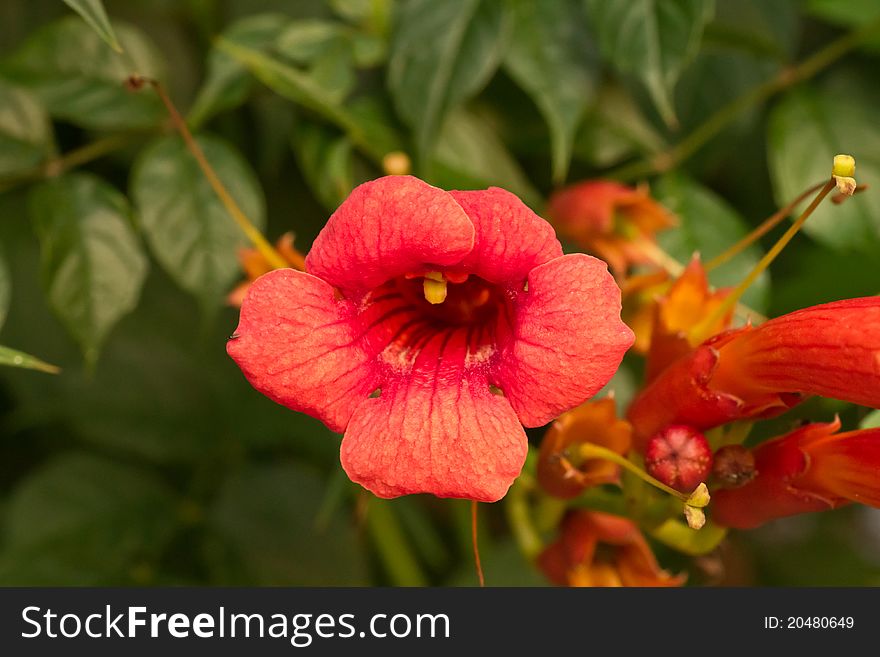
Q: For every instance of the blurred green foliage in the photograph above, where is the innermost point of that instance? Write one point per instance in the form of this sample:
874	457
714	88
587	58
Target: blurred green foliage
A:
149	460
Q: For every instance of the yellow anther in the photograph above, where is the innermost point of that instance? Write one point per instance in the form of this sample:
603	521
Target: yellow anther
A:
434	286
844	165
843	171
396	163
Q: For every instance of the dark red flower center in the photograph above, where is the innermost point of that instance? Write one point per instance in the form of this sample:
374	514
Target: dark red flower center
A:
462	331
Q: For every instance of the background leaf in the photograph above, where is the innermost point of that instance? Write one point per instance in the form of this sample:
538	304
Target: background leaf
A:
228	82
80	78
13	358
805	131
92	263
188	229
549	57
265	516
25	131
442	53
652	39
708	225
84	520
93	13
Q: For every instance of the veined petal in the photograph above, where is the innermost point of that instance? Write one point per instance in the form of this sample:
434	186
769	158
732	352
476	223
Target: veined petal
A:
568	338
510	241
295	343
447	436
390	227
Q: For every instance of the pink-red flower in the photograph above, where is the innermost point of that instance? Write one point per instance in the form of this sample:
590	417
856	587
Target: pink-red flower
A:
832	350
811	469
428	327
610	220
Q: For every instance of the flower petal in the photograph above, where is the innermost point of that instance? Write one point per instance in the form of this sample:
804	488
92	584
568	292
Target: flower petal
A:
510	241
295	344
449	437
568	339
386	228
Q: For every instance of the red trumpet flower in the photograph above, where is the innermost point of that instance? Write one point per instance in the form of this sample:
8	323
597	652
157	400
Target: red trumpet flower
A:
832	350
810	469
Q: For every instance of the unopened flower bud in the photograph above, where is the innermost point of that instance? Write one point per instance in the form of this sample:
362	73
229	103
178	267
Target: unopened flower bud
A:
679	456
734	466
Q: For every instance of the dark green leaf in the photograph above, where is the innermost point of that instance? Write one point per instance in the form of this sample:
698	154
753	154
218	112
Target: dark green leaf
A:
442	53
470	155
228	82
93	266
189	230
5	288
265	517
12	358
304	41
549	57
805	131
25	130
294	84
83	519
325	158
80	78
763	28
708	225
853	14
614	130
93	13
652	39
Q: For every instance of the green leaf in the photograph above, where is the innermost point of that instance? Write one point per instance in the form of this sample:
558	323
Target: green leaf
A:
470	155
92	12
80	79
292	83
708	225
93	265
13	358
265	519
853	14
82	520
228	83
615	130
187	227
25	130
652	39
325	158
549	57
442	53
805	131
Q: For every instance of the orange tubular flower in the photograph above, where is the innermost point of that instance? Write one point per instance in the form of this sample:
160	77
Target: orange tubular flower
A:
562	471
609	219
640	293
832	350
574	560
688	302
255	265
810	469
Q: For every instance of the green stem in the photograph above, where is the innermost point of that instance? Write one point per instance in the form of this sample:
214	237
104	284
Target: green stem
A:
516	505
392	546
674	156
591	450
703	330
79	156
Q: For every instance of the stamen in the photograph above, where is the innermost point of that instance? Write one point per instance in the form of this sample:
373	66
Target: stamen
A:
434	286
